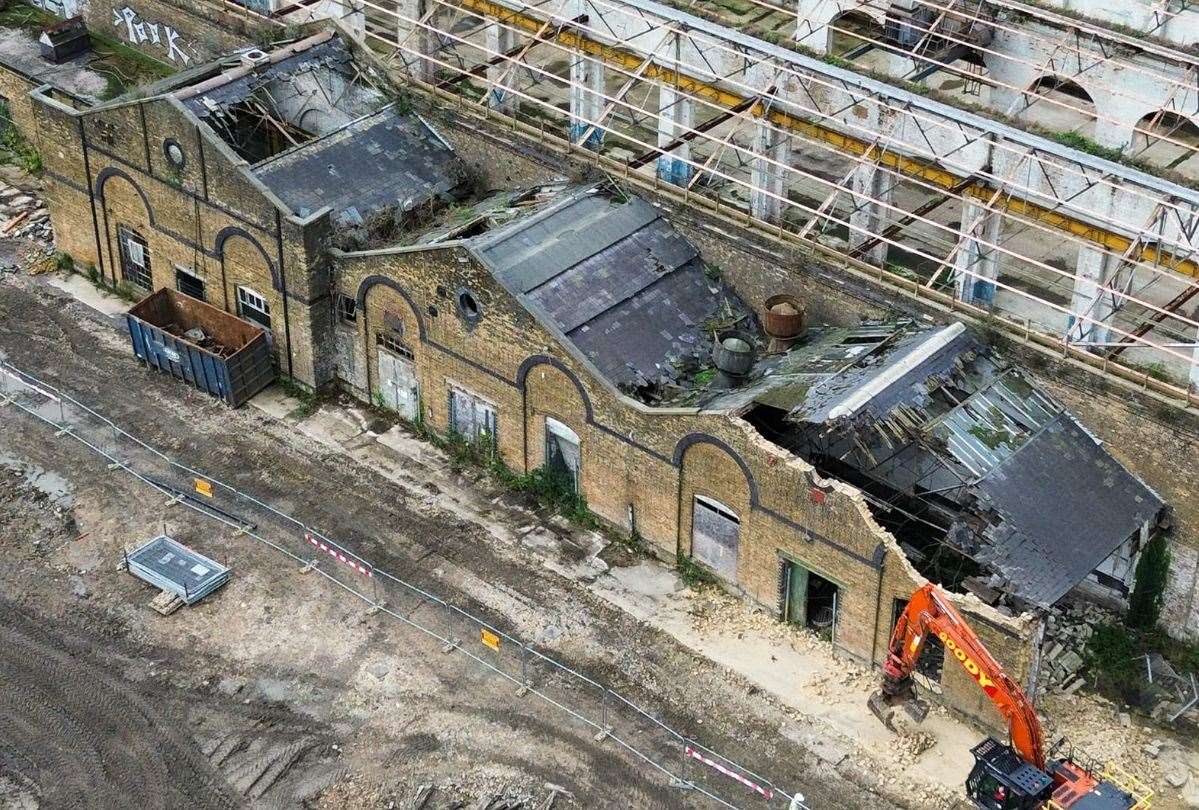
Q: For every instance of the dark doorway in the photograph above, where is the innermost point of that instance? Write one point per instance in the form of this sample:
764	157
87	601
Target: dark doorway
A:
810	600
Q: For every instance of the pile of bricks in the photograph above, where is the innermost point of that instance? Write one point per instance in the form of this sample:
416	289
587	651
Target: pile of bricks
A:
1067	631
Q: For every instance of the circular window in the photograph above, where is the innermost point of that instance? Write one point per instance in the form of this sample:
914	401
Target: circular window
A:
442	292
432	311
468	307
174	153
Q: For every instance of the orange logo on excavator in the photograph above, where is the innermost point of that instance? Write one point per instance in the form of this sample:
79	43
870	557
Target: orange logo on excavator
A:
968	663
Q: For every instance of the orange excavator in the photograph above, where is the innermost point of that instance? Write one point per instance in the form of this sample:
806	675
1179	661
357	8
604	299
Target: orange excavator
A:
1016	776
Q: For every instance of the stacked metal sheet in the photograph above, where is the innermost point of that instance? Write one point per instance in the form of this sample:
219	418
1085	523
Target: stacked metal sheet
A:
174	567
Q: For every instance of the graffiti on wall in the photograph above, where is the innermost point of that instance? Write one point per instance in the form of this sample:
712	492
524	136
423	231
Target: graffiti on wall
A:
139	31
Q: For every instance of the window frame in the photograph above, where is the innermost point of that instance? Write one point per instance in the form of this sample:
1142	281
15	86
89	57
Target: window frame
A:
347	310
142	276
193	278
491	414
245	301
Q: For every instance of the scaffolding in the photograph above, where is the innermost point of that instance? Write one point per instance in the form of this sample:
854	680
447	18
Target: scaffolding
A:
1096	253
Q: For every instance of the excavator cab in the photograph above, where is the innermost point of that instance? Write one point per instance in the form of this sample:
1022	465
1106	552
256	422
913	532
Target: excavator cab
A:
1002	780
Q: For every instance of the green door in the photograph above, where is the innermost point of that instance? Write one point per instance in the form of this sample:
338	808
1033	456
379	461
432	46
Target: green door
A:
797	594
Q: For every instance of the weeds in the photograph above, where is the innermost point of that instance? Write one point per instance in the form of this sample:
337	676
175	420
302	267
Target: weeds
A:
692	573
14	148
310	401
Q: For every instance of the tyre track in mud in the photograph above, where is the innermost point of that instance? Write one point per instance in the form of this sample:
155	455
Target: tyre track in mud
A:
88	738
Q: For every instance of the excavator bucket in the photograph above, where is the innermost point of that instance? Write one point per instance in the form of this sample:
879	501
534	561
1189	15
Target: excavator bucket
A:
897	713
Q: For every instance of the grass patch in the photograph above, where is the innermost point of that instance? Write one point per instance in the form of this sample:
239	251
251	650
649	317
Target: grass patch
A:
14	149
692	573
26	18
124	68
1115	657
310	401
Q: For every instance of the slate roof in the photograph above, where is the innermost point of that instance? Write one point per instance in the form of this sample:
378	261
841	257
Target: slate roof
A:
614	278
1020	486
1064	505
380	160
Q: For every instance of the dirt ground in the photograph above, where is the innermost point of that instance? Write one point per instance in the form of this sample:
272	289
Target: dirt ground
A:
282	690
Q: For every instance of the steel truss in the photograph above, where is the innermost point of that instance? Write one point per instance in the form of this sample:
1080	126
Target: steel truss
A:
734	98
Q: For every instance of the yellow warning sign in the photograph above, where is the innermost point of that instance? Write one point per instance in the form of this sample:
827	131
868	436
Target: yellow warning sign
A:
489	639
204	487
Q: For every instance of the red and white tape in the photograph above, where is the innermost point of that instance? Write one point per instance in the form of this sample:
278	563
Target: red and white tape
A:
337	555
694	754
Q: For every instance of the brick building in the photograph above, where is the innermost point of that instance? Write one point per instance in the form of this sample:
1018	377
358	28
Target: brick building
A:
569	326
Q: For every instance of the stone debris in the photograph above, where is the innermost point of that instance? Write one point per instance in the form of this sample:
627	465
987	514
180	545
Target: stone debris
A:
1067	631
24	215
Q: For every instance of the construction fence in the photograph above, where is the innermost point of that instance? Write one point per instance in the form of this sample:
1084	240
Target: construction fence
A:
680	761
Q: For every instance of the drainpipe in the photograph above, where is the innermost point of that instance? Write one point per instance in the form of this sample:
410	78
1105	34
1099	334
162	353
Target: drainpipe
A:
283	284
878	607
91	200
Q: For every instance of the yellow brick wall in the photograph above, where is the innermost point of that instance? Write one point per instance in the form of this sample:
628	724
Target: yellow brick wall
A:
627	454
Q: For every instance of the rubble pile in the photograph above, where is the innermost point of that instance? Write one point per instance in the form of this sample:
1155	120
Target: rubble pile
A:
1067	631
24	215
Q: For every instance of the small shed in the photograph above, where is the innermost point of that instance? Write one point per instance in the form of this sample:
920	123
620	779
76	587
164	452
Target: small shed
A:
202	345
64	40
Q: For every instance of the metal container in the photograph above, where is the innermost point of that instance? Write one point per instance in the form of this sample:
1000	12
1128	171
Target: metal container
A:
733	352
202	345
783	317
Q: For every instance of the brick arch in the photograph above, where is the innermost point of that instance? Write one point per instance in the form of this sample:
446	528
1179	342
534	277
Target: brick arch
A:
373	281
692	439
233	231
531	362
110	172
364	288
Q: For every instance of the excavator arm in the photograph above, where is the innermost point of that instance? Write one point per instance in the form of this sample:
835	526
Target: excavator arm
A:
929	613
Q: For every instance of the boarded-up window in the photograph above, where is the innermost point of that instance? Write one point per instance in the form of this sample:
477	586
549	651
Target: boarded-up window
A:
562	453
715	533
472	417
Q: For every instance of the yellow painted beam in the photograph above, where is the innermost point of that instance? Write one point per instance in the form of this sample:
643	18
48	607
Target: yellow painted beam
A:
912	167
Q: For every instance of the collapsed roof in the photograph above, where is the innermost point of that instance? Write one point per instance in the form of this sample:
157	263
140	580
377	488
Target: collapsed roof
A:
319	131
954	445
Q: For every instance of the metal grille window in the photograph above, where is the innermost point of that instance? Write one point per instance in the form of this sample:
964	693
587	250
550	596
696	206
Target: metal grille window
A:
391	342
347	309
472	417
253	307
135	257
189	283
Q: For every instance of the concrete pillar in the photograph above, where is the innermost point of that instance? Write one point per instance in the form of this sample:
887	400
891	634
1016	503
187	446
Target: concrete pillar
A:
501	39
873	189
676	114
1090	300
586	99
976	265
769	180
415	39
1195	364
811	23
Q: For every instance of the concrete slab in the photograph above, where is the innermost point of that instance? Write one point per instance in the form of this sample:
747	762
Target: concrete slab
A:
274	401
331	426
85	292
